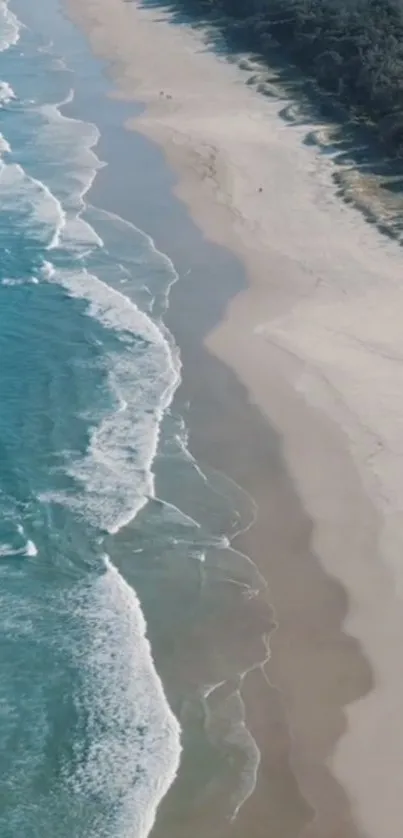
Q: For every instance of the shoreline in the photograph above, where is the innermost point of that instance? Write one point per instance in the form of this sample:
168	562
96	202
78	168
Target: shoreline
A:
272	356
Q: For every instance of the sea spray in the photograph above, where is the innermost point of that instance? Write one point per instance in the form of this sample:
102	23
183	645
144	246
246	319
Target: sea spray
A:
132	745
133	738
10	27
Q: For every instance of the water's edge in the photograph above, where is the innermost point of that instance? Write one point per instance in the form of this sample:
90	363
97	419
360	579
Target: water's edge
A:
115	310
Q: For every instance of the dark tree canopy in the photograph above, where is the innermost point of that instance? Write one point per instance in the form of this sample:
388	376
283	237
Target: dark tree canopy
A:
352	48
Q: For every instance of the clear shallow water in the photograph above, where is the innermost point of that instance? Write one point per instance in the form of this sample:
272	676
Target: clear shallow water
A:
87	374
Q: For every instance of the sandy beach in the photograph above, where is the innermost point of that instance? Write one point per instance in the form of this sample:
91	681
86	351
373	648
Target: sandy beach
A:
316	346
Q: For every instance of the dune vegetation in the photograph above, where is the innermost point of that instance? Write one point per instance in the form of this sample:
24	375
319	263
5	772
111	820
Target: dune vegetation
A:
352	48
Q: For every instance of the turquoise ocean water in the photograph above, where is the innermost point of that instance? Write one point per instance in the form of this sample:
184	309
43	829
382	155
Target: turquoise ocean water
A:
89	741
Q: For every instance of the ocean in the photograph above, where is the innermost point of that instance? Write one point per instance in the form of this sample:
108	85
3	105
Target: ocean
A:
113	540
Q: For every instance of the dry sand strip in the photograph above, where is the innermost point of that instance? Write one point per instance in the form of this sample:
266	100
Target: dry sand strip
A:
318	341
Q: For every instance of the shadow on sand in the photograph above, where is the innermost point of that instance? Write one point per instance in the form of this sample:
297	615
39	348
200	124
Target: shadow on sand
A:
364	174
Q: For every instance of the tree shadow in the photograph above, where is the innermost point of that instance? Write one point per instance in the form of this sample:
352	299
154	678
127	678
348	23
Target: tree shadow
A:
351	141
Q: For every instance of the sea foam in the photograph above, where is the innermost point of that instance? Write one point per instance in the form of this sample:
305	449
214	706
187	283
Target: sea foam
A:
116	472
72	142
134	739
32	199
6	93
10	27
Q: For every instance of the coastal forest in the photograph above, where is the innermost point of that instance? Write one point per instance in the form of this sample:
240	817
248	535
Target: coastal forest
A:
352	49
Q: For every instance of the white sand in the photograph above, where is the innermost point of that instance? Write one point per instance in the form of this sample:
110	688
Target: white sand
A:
317	339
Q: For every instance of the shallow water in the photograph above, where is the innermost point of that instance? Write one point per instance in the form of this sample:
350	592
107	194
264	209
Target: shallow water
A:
88	371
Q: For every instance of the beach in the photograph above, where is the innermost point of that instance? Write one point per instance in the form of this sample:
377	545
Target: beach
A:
298	400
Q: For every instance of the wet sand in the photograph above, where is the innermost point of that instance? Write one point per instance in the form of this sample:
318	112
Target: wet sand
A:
312	349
